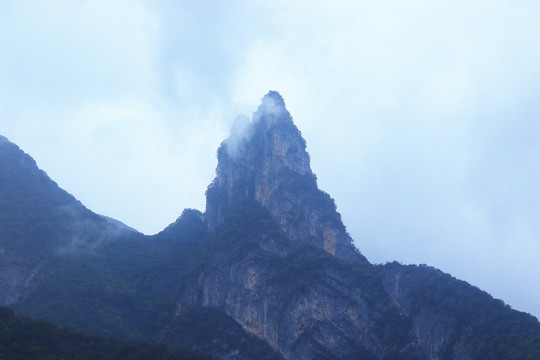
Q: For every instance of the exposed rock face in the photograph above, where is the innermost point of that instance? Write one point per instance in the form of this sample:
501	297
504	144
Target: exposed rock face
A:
276	277
437	333
304	302
293	289
266	160
308	304
190	332
17	274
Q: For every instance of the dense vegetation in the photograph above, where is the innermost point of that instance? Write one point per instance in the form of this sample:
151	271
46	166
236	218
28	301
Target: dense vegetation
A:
490	329
24	339
127	288
131	288
36	215
207	329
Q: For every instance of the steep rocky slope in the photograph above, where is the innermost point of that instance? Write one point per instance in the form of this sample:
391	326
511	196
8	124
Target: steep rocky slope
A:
268	271
23	338
266	160
287	271
303	301
39	222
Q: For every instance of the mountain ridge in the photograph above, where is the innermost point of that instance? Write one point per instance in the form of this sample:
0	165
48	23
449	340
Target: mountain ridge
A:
268	269
39	221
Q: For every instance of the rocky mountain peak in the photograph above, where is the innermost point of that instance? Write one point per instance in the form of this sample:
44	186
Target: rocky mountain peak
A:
272	110
265	159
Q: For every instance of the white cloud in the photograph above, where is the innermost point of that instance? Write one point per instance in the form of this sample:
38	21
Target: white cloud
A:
421	117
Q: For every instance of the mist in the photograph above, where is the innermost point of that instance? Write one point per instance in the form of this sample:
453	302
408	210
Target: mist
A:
241	132
421	118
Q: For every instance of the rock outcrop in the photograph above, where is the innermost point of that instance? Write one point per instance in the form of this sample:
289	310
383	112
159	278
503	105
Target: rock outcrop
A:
303	301
268	272
266	160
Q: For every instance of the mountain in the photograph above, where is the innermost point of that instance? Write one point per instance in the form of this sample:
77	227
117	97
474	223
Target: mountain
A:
266	160
40	222
268	271
23	338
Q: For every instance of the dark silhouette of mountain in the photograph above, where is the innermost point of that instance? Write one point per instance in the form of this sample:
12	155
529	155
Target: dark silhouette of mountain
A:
268	271
23	338
40	222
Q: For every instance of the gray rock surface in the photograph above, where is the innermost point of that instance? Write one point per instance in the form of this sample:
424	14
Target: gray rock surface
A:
269	267
266	160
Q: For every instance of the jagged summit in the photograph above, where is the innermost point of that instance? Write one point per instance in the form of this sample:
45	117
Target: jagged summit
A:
275	97
272	110
265	159
246	291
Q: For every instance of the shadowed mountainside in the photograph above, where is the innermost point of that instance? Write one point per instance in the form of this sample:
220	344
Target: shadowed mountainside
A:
23	338
268	271
40	222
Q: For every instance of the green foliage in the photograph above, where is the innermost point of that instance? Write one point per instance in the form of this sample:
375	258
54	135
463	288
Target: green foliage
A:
128	288
36	216
211	330
490	330
394	328
24	339
505	334
246	219
307	267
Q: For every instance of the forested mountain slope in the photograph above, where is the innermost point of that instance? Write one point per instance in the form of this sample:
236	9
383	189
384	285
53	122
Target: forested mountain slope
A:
267	271
23	338
40	222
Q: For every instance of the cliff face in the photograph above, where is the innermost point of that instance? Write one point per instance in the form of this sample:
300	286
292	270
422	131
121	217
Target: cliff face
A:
450	319
266	160
268	272
303	301
303	287
437	331
308	304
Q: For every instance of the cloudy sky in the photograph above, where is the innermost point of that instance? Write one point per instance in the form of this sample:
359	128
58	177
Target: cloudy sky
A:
422	118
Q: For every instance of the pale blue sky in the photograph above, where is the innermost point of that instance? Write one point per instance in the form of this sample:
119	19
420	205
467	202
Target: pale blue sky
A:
421	117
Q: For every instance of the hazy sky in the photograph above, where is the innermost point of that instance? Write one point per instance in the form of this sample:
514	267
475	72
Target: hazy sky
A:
422	118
